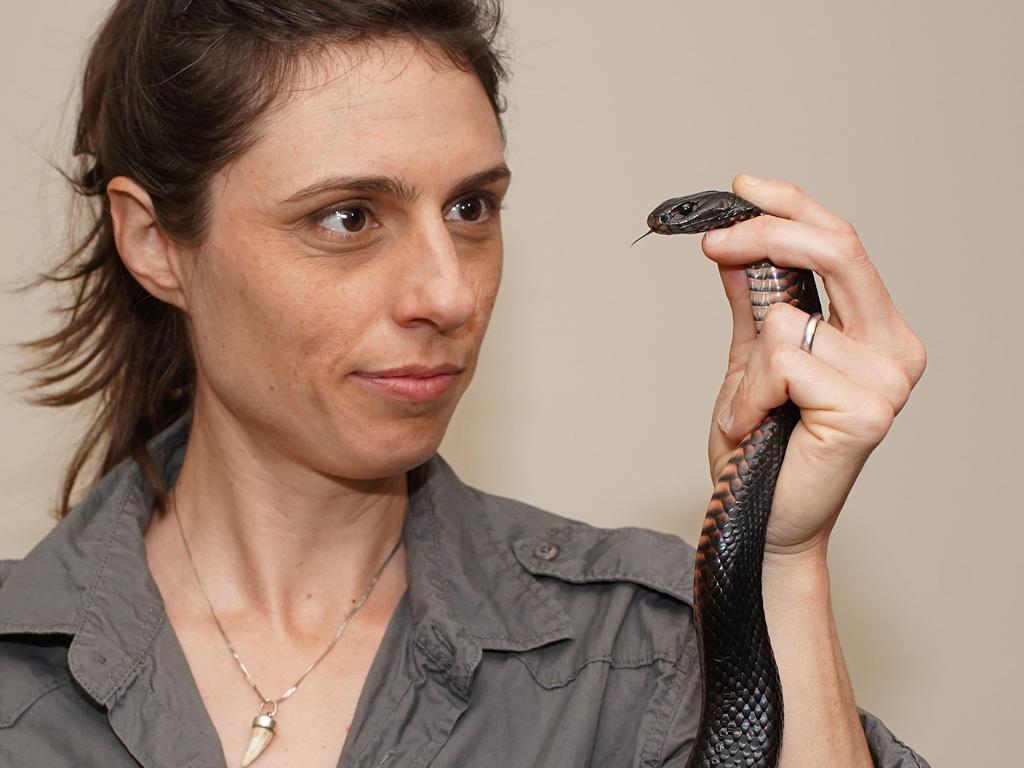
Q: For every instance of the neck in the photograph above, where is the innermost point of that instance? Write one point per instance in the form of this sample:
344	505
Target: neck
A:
272	538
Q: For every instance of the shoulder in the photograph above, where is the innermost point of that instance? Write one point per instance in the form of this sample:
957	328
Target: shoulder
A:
31	665
6	566
551	545
627	592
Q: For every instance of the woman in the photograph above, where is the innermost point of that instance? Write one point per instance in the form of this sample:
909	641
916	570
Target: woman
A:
294	261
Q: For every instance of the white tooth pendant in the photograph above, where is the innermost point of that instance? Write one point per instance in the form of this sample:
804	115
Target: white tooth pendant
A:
263	728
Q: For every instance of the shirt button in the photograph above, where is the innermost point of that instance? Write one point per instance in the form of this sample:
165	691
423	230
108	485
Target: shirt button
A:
546	551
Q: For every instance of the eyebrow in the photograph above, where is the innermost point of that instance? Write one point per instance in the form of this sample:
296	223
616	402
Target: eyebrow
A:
394	187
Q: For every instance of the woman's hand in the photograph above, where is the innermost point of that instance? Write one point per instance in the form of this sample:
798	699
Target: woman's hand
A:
864	362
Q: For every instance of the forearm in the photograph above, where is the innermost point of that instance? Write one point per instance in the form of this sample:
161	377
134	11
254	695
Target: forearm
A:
822	724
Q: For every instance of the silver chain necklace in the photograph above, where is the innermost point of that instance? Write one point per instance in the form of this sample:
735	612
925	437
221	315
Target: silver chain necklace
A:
264	726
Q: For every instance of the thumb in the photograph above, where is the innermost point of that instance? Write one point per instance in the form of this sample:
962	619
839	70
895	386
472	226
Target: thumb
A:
744	332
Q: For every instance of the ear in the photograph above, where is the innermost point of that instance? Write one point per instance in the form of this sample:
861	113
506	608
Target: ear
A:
144	248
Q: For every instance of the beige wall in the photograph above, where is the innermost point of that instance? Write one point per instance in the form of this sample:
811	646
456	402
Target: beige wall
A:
602	361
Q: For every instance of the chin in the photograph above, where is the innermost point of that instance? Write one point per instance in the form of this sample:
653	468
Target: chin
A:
391	457
406	460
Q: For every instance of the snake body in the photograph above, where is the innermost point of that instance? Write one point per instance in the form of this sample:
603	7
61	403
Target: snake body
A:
742	715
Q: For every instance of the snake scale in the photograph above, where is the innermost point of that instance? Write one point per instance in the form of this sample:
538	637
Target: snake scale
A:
742	715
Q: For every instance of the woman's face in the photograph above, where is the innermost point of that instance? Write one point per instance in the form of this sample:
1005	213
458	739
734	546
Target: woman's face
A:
360	234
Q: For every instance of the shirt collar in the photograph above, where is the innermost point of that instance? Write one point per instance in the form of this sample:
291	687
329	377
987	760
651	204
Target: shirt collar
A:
89	576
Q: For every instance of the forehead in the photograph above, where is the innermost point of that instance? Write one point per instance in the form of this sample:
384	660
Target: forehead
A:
388	107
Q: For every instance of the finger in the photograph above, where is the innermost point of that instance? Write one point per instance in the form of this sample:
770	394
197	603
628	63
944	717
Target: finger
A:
834	318
744	332
833	408
785	324
786	199
854	287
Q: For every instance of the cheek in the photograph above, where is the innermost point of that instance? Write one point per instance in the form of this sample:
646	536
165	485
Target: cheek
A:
269	323
485	275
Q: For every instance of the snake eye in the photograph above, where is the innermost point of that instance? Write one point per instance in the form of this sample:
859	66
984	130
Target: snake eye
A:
684	208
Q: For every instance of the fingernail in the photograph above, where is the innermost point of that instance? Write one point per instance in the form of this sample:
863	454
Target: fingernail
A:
715	236
725	419
750	180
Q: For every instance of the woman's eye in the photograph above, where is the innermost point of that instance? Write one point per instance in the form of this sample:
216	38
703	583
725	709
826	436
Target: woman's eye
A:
471	209
348	220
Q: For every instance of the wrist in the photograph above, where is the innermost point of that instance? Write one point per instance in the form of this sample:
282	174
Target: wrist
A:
796	573
805	554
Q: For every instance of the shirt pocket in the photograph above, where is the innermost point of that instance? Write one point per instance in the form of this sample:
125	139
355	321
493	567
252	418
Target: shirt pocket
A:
628	594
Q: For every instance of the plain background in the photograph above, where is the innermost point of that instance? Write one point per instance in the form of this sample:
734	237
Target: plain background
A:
602	362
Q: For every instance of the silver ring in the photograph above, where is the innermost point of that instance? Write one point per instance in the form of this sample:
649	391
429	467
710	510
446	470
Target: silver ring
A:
809	329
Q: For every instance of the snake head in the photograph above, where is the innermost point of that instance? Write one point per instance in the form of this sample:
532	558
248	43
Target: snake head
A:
700	212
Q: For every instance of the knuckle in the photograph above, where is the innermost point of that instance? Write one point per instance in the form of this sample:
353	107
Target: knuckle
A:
849	245
846	248
876	416
893	380
845	226
917	358
791	188
777	318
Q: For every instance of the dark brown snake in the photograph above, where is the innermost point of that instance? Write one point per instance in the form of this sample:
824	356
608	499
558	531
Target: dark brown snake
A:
741	717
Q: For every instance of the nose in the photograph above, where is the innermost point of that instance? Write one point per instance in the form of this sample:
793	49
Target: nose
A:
438	290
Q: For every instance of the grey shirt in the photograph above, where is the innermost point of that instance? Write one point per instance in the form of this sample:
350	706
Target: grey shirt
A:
523	639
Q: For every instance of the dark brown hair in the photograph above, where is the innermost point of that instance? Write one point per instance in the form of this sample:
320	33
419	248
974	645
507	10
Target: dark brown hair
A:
169	100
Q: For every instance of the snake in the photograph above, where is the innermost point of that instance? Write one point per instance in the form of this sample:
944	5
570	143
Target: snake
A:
741	719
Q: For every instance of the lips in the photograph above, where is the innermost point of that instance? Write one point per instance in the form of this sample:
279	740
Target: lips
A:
415	383
415	371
